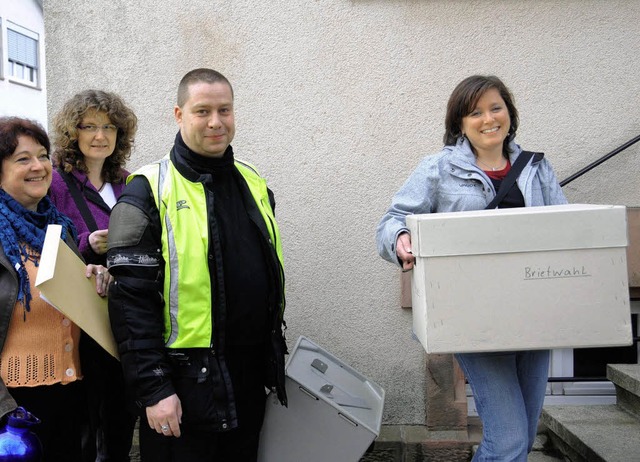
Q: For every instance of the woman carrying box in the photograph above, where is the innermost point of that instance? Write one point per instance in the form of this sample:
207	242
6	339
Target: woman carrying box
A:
480	127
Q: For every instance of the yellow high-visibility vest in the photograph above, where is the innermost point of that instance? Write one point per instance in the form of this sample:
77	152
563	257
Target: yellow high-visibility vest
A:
185	248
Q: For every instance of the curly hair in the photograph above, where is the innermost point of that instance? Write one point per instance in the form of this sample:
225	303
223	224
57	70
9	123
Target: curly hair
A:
463	100
67	154
11	128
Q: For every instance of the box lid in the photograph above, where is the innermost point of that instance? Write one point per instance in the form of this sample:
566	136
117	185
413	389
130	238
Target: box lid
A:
525	229
329	379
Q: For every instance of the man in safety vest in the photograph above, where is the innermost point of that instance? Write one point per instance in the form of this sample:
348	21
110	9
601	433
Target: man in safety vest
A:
198	299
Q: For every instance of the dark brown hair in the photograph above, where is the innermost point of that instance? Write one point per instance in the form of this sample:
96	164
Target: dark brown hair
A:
11	128
463	101
67	154
199	75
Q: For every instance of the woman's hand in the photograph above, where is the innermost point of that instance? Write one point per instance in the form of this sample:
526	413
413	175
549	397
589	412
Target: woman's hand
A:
98	241
404	252
103	278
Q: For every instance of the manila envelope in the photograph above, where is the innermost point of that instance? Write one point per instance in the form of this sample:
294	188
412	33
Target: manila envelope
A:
62	283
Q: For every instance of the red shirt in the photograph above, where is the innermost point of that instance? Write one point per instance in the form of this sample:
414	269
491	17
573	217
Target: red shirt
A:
499	174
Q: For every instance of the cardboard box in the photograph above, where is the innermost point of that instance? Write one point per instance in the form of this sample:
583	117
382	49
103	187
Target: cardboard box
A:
523	278
334	413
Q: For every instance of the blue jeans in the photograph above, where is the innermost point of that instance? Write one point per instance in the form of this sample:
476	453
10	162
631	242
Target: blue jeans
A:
508	388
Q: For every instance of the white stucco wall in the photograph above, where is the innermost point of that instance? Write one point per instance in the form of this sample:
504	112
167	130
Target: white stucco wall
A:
336	102
17	99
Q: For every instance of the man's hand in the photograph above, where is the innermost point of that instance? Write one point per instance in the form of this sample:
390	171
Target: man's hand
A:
404	252
165	416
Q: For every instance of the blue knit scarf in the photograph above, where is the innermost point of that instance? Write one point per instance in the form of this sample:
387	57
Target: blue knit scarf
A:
22	231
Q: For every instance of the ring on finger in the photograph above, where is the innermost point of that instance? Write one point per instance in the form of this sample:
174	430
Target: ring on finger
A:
165	428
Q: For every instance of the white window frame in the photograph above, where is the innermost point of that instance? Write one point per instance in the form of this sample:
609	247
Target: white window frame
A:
7	64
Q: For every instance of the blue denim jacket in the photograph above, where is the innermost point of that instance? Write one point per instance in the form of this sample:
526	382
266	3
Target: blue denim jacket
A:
450	181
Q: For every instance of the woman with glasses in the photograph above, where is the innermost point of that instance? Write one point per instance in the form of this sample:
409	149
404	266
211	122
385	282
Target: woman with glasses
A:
93	137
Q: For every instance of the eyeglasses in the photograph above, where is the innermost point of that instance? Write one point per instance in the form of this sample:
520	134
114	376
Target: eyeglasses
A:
90	128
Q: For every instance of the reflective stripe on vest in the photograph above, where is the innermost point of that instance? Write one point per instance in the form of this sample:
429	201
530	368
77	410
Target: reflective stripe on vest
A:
185	249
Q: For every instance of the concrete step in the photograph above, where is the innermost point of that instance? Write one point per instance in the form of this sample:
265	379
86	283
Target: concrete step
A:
542	450
626	378
594	433
537	456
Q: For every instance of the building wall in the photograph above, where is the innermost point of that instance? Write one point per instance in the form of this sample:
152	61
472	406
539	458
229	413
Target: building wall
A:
17	99
336	103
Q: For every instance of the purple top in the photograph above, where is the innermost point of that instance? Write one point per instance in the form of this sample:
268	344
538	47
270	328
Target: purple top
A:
63	200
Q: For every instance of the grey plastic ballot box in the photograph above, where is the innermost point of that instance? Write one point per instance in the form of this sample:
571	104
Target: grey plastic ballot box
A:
334	413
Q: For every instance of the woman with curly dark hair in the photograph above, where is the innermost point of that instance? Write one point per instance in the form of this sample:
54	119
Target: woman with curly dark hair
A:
93	136
40	365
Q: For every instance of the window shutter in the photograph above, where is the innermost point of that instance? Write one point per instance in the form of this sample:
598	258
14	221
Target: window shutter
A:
22	49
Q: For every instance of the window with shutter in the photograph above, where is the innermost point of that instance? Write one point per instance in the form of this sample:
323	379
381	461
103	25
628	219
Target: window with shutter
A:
22	54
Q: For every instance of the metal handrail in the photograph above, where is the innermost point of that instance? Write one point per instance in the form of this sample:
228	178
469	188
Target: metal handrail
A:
564	182
593	165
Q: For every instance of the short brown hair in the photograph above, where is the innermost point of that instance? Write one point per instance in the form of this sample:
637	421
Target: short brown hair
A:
67	154
11	128
463	101
199	75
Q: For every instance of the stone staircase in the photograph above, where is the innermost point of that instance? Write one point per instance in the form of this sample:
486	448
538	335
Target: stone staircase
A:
599	433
